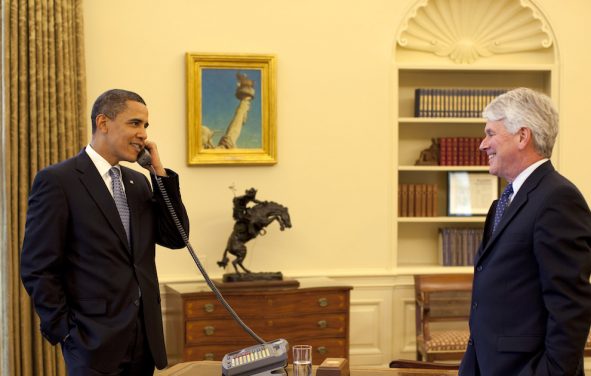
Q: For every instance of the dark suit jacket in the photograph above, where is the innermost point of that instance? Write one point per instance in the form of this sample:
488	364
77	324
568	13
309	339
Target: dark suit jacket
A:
531	298
79	269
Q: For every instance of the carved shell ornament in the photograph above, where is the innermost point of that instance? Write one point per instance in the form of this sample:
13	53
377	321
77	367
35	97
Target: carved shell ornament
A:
465	30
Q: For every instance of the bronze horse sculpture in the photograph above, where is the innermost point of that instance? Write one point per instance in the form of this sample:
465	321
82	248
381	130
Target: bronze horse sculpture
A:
250	224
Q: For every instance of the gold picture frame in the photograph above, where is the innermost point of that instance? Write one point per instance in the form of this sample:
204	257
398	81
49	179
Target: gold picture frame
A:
231	109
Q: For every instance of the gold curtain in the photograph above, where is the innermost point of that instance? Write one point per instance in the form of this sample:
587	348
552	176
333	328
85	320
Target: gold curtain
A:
44	123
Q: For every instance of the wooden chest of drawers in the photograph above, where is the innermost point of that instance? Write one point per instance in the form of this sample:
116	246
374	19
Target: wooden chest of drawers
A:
317	316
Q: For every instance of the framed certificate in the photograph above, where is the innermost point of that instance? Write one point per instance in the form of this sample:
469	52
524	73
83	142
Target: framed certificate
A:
471	193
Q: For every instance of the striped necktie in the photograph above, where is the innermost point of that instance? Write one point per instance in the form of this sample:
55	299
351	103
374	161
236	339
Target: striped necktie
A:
502	205
120	199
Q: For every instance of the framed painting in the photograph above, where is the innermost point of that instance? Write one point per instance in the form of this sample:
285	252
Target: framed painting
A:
231	109
471	193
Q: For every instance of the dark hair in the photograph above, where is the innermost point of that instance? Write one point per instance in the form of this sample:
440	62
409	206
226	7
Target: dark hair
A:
111	103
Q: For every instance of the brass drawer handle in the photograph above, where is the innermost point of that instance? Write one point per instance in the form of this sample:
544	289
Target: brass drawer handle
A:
323	302
322	350
209	330
208	356
322	324
208	307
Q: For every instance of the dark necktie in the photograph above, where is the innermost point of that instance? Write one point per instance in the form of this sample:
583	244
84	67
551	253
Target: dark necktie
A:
502	205
120	199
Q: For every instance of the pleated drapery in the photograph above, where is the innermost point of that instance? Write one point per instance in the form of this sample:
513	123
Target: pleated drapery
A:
43	122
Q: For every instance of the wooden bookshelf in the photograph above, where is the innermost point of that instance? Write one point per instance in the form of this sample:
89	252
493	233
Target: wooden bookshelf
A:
415	245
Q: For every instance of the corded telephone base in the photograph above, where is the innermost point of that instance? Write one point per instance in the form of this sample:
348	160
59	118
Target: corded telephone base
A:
275	372
264	359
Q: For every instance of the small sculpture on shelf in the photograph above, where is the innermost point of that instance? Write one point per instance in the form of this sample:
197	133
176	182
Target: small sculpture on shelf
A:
429	156
250	222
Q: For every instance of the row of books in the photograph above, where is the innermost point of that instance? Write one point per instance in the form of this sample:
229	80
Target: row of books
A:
460	103
461	151
417	200
458	246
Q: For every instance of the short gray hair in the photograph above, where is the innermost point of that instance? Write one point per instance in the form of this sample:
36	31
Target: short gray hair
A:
523	107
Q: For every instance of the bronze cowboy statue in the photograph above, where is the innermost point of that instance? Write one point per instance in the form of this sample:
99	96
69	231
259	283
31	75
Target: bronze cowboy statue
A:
251	222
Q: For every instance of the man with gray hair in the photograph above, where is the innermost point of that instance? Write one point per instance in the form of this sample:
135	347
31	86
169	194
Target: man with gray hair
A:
531	298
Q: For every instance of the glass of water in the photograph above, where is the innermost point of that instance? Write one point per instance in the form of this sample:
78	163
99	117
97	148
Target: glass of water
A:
302	360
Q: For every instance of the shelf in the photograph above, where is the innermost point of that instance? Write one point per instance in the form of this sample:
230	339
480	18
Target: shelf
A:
443	168
477	68
475	219
417	239
427	120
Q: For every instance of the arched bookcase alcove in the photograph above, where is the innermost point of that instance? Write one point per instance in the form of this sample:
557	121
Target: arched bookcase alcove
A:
457	52
458	46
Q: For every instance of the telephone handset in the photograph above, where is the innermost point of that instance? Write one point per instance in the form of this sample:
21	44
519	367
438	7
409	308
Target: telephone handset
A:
144	158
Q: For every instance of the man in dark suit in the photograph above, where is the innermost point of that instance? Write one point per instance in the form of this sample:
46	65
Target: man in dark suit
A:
88	258
531	298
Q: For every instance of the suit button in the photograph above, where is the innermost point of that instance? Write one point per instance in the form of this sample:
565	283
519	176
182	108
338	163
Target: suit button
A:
136	302
479	268
474	305
470	342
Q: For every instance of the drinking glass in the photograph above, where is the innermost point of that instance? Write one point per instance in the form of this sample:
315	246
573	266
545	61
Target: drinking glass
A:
302	360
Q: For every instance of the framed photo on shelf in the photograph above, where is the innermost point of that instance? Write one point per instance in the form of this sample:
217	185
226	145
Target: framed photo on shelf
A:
231	109
470	193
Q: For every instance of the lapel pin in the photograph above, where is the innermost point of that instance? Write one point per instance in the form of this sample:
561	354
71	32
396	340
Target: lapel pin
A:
131	181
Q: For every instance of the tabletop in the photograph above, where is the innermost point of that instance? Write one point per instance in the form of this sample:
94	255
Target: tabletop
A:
213	368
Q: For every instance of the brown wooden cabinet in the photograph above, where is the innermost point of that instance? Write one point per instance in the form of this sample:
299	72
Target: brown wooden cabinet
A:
317	316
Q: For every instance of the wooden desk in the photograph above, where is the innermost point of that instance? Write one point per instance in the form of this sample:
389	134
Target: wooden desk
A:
213	368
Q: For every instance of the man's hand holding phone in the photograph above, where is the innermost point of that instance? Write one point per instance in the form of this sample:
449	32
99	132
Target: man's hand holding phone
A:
156	164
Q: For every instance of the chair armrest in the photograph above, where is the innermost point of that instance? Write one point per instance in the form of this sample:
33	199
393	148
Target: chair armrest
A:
404	363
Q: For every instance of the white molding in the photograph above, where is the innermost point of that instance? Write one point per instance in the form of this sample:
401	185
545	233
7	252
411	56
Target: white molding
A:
366	313
409	341
513	66
468	30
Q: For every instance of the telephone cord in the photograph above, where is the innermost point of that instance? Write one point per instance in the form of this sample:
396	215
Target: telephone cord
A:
208	280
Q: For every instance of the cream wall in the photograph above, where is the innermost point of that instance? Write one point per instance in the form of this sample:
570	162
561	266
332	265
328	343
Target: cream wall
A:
335	119
335	103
